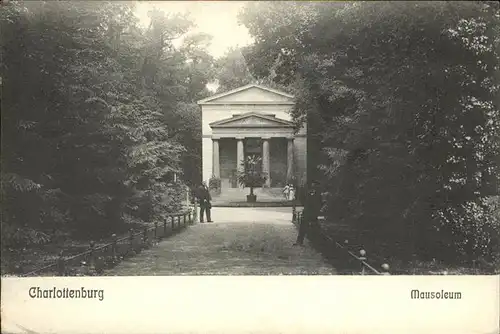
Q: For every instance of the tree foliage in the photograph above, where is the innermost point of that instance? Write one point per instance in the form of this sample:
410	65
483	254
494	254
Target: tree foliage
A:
97	114
402	105
232	71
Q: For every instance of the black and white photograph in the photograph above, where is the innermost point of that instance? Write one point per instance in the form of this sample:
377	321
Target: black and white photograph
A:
250	138
250	167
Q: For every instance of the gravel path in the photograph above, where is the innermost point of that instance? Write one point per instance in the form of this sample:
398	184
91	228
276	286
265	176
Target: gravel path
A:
241	241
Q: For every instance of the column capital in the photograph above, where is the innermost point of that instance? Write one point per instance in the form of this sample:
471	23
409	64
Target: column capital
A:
290	138
265	138
215	137
239	138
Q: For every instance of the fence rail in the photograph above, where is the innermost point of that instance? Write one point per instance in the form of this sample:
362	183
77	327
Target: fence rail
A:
366	268
95	260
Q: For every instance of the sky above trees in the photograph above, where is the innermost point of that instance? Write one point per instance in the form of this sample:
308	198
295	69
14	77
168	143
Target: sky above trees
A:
218	19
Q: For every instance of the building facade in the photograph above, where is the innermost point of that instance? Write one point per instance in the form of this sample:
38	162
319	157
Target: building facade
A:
251	120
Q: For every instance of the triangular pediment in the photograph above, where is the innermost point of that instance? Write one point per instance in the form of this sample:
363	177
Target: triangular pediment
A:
252	119
250	94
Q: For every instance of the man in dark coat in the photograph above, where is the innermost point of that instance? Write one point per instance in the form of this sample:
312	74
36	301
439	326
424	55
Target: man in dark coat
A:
312	208
204	199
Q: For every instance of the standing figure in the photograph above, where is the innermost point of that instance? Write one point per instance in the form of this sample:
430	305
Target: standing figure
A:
291	193
204	199
286	191
312	208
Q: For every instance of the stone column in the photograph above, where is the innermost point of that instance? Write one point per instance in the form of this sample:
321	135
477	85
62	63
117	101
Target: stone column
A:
240	154
289	165
266	160
215	157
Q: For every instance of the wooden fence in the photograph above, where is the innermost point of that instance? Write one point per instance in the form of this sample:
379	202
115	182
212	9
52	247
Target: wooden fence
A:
97	259
315	232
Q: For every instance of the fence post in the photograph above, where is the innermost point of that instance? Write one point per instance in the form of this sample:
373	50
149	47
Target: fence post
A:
178	221
184	219
173	222
114	247
195	212
385	269
131	239
61	264
156	228
190	220
294	211
92	256
362	258
414	264
165	227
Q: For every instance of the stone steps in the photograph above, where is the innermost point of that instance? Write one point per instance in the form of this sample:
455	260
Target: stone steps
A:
239	196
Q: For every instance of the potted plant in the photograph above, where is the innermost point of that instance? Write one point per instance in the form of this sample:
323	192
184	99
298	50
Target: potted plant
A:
251	176
214	185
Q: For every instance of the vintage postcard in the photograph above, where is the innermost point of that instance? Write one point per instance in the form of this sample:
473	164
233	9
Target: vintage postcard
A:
250	167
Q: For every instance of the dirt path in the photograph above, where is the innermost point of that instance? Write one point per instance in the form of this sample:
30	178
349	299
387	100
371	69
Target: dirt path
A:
241	241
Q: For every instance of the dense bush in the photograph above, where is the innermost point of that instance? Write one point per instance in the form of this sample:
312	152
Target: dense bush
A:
96	110
402	107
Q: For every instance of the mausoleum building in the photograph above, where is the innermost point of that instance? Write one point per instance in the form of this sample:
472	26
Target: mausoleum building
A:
251	120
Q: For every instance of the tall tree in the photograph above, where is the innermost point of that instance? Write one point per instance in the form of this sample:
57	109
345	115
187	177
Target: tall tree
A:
91	107
232	70
402	98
